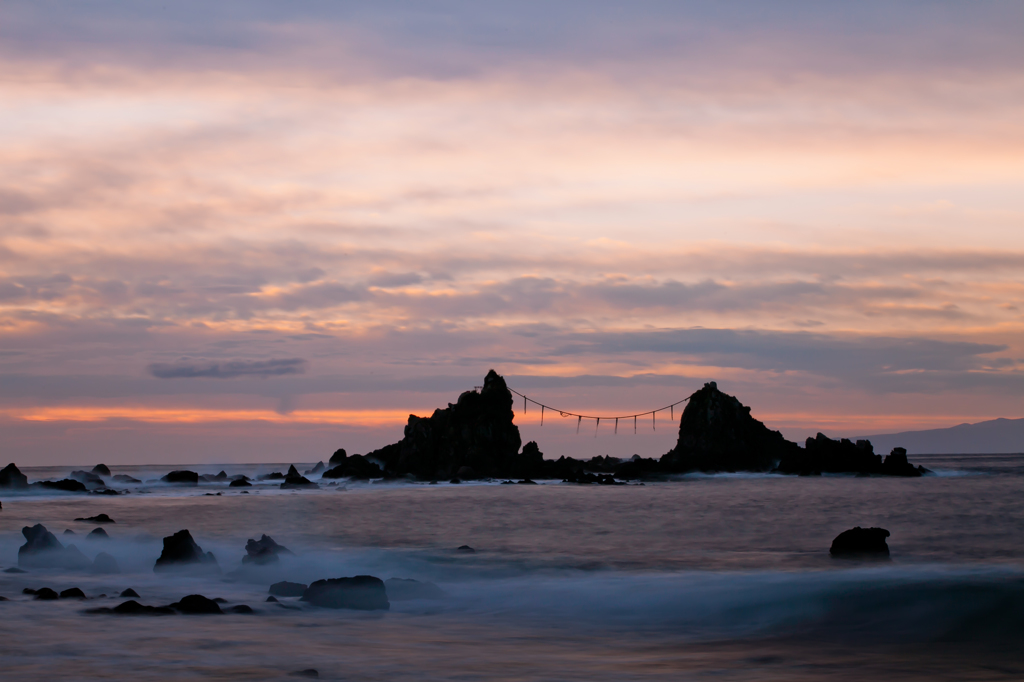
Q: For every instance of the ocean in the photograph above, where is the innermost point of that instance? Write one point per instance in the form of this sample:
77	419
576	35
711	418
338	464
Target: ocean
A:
724	577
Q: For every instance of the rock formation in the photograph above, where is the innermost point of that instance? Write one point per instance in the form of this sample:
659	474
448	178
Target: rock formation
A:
861	543
263	551
99	518
42	549
196	604
296	482
821	454
101	470
239	483
355	466
11	477
181	551
363	592
186	477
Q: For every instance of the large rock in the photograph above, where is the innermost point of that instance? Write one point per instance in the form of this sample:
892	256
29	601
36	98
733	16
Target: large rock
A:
183	476
475	432
239	483
263	551
861	543
407	589
355	466
196	604
42	549
363	592
717	433
101	470
11	477
67	485
181	551
337	458
821	455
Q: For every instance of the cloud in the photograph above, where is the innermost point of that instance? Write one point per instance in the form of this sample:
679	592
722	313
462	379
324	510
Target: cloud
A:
228	369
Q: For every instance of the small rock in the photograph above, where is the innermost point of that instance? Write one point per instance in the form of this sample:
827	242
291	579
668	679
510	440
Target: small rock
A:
455	480
287	589
28	590
68	531
263	551
239	483
14	569
97	534
99	518
67	485
43	550
46	594
196	604
72	593
183	476
272	599
465	548
180	550
362	592
241	608
122	478
861	542
292	471
295	482
130	593
315	470
101	470
134	608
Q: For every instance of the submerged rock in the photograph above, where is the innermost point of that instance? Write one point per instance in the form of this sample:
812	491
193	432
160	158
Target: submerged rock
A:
124	478
42	549
240	483
130	593
101	470
72	593
362	592
861	542
11	477
196	604
287	589
14	569
183	476
465	548
99	518
407	589
315	470
181	551
263	551
68	485
134	608
308	672
97	534
45	594
241	608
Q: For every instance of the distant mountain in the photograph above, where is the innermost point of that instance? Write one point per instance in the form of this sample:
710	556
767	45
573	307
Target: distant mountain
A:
994	436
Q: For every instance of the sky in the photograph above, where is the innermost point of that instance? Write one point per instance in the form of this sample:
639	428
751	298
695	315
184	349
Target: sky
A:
259	231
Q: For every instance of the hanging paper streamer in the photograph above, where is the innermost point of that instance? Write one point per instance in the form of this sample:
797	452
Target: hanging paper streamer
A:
597	425
578	422
616	426
541	414
634	424
654	427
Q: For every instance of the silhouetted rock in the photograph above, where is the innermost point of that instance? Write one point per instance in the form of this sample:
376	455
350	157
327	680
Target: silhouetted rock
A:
124	478
46	594
101	470
105	564
183	476
861	543
337	458
308	672
240	608
130	593
88	478
315	470
465	548
14	569
181	551
639	468
67	485
196	604
717	433
355	466
263	551
28	590
11	477
294	482
72	593
821	454
476	432
43	550
99	518
97	534
107	491
287	589
272	599
68	531
407	589
292	471
239	483
134	608
363	592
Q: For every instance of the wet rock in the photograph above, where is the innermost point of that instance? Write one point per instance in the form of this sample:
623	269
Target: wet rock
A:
67	485
101	470
14	569
196	604
476	432
465	548
239	483
181	477
263	551
297	482
337	458
220	477
105	564
124	478
42	549
861	543
362	592
181	551
308	672
11	477
46	594
272	476
134	608
241	608
97	534
99	518
287	589
357	467
72	593
315	470
88	478
407	589
717	433
130	593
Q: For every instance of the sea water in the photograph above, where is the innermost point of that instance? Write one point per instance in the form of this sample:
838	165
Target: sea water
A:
701	577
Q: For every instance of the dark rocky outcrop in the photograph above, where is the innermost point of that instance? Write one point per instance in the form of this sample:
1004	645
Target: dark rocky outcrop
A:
181	551
292	471
465	548
46	594
263	551
717	433
240	483
272	476
287	589
72	593
196	604
11	477
821	455
356	466
407	589
315	470
101	470
134	608
362	592
68	531
68	485
297	482
861	543
105	564
130	593
182	477
88	478
97	534
14	569
42	549
337	458
241	608
475	432
272	599
99	518
124	478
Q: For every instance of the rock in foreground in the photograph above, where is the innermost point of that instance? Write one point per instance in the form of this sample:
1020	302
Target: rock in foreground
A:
181	551
861	543
363	592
